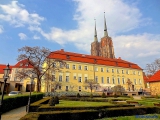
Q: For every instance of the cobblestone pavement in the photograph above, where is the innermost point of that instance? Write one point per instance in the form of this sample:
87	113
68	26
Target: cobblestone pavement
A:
14	114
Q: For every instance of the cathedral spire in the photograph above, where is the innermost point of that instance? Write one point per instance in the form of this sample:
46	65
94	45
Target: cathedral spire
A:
95	32
105	27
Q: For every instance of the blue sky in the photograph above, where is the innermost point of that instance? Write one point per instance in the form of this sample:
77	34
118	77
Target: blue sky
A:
134	26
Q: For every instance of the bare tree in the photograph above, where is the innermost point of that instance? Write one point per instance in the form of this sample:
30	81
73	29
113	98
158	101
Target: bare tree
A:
118	89
153	67
37	58
91	84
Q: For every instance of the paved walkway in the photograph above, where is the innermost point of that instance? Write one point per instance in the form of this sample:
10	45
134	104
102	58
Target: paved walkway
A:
14	114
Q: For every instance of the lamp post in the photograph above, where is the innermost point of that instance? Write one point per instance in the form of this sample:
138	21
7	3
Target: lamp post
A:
29	100
5	77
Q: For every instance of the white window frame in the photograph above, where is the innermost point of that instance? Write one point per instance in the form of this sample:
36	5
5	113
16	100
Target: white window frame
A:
102	79
113	80
60	78
122	71
123	81
67	78
79	79
74	67
67	66
118	79
85	79
135	81
107	70
102	70
140	81
79	67
85	67
96	79
108	80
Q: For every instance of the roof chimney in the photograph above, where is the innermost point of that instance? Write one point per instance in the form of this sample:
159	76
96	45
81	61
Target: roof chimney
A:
119	58
62	50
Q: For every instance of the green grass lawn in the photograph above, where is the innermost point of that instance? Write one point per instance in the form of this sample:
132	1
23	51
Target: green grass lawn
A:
65	103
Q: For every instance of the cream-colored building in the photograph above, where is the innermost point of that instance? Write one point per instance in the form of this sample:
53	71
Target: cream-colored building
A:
107	72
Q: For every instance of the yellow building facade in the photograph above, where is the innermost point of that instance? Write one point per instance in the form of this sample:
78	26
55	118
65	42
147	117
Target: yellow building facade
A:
107	72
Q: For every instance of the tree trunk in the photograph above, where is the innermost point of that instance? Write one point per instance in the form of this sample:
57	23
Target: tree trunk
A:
38	85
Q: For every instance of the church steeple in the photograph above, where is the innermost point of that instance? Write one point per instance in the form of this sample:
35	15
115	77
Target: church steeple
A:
95	32
105	27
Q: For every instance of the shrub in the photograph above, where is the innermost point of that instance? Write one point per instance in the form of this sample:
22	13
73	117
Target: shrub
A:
51	101
56	100
78	95
91	95
103	95
143	97
115	96
156	96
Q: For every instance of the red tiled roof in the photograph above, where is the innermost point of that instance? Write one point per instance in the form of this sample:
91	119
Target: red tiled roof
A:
61	54
3	66
23	64
155	77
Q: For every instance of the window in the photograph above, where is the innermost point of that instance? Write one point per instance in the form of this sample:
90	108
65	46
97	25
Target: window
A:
135	82
96	69
118	81
85	88
67	66
26	64
60	78
53	77
112	70
140	82
74	67
122	71
67	78
79	67
79	79
59	87
54	64
66	88
85	68
102	70
113	81
107	70
74	77
123	81
79	88
117	70
108	80
127	72
134	72
138	73
102	79
85	78
97	79
61	65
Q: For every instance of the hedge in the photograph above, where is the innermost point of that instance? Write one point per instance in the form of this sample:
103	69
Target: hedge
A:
13	102
92	114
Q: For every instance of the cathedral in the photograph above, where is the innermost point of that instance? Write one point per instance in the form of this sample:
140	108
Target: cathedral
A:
104	48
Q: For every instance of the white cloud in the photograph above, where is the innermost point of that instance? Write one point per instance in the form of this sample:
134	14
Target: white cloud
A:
22	36
18	16
1	29
36	37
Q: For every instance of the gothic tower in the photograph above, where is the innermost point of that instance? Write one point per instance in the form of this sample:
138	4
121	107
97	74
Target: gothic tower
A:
95	44
105	47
